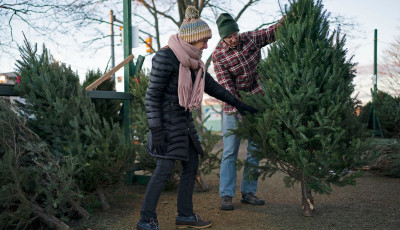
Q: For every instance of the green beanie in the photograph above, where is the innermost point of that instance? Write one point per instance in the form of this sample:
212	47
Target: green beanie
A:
226	25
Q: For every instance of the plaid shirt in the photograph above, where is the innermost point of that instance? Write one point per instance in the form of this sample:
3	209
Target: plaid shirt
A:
236	68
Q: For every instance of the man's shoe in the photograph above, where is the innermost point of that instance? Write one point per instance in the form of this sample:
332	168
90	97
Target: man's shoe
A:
250	198
192	222
151	225
226	203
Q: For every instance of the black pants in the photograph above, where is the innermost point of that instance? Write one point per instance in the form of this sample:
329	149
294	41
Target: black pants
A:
160	177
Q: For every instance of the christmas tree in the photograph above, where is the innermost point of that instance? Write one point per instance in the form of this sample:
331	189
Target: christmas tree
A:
307	126
388	112
58	110
106	108
37	184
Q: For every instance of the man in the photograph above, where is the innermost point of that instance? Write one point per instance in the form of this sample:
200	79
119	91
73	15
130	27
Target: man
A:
235	60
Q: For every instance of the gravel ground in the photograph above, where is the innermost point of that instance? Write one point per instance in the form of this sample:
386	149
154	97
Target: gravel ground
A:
372	204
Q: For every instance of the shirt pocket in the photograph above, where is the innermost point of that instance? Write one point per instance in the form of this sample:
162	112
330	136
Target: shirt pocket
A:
250	51
235	67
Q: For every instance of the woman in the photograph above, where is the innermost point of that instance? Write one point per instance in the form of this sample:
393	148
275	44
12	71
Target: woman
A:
178	80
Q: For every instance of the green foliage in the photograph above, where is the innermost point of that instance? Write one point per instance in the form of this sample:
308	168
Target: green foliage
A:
138	87
107	109
208	140
306	126
364	113
59	111
32	175
388	112
212	158
387	109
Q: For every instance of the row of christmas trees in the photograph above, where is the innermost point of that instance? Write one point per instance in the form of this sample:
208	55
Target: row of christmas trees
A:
56	148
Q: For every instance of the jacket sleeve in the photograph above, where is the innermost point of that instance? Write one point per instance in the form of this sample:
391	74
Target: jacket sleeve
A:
160	75
214	89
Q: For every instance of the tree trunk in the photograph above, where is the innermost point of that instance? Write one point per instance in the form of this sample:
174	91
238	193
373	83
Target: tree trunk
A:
307	200
50	220
102	197
81	211
203	185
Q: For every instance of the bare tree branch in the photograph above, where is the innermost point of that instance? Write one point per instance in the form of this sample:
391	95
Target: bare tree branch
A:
153	8
251	2
391	68
48	17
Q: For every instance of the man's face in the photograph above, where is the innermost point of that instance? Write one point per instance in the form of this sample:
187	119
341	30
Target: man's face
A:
232	40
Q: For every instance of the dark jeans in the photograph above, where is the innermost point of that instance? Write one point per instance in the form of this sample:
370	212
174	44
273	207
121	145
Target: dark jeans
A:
160	177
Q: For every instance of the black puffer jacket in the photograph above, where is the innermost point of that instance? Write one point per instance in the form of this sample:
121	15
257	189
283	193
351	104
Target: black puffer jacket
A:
163	109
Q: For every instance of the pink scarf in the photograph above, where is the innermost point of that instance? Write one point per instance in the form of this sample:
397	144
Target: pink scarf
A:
190	95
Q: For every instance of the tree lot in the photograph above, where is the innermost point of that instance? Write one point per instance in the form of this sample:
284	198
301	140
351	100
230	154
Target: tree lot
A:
306	129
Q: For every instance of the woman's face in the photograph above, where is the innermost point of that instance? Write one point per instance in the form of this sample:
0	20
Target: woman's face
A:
201	45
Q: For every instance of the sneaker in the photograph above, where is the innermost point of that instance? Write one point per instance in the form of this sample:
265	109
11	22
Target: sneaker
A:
192	222
226	203
151	225
250	198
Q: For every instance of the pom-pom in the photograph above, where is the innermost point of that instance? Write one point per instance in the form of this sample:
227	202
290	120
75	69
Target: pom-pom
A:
191	12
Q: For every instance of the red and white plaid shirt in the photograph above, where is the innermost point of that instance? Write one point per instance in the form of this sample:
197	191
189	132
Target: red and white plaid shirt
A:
236	68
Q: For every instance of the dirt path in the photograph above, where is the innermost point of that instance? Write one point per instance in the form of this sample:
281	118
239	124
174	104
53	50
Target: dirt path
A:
374	203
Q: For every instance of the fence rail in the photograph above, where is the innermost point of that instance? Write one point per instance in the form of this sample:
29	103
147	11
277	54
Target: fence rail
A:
8	90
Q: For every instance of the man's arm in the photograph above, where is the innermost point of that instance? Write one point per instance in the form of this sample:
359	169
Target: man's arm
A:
223	76
266	36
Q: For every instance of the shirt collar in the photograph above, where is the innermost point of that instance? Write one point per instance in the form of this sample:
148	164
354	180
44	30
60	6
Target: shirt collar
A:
225	47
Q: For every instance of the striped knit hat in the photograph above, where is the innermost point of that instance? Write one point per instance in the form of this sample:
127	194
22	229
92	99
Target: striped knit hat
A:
193	29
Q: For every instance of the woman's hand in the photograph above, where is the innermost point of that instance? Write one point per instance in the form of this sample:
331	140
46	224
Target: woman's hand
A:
159	145
244	108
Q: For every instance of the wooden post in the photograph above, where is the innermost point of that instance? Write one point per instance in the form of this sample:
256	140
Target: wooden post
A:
111	72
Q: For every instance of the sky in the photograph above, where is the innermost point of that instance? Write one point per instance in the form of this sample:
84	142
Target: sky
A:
366	15
370	15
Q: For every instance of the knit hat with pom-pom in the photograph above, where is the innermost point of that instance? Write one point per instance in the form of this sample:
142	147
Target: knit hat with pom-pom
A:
193	29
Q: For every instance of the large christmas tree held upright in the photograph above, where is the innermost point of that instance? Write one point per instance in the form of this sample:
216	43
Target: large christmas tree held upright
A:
306	127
